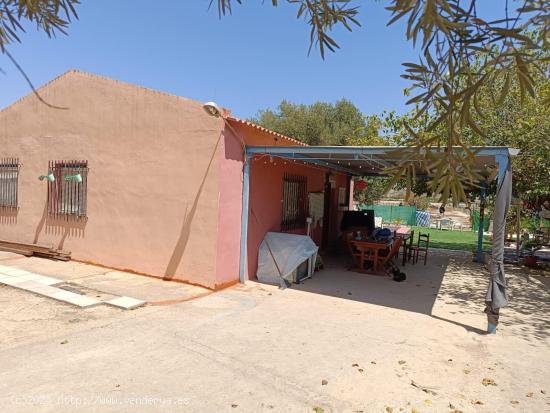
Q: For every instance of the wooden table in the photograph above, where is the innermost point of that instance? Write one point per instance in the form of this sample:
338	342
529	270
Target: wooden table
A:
370	251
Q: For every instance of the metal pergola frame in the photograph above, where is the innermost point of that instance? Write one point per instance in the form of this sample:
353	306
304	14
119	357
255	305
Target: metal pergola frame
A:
351	160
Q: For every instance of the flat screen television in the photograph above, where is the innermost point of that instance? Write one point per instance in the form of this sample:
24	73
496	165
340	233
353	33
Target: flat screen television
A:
363	219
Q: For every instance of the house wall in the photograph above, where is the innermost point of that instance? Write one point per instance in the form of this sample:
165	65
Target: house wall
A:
230	210
266	196
153	184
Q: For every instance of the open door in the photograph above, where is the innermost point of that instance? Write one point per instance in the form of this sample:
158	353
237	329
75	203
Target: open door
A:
326	212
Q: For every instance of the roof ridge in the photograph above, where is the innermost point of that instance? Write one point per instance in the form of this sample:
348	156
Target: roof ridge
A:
93	75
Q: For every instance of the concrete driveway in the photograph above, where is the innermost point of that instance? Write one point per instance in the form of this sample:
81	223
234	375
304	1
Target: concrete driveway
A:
341	342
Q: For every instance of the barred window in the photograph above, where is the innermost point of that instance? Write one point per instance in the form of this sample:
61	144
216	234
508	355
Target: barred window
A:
67	191
9	182
295	202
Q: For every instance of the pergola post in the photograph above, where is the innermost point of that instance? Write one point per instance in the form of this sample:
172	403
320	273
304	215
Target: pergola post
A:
483	196
243	264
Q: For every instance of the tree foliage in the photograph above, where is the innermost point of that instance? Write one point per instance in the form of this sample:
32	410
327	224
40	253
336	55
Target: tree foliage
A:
374	190
462	53
49	16
321	123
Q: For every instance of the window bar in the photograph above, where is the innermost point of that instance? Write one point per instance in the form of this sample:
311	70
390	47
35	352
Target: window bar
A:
285	201
283	214
17	182
3	184
85	189
78	191
296	201
71	211
56	189
291	203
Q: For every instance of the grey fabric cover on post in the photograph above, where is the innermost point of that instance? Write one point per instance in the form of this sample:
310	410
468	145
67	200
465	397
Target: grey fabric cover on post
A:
497	295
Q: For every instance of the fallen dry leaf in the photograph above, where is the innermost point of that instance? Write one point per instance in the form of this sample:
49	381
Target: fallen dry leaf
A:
514	402
476	402
64	342
530	394
324	382
318	409
488	382
389	409
401	361
234	406
467	371
428	402
355	365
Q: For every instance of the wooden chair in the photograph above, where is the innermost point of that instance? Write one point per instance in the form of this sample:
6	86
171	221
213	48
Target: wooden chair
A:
422	246
353	251
407	244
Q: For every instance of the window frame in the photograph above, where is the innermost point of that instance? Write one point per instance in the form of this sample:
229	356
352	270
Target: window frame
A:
294	203
68	198
9	186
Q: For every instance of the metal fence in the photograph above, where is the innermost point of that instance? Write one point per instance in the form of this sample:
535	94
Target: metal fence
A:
393	214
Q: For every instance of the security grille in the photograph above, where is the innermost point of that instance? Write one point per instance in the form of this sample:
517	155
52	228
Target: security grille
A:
67	193
295	202
9	180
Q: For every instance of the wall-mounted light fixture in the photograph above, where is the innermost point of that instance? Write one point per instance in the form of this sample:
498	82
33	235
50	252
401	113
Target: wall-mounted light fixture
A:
49	177
212	109
73	178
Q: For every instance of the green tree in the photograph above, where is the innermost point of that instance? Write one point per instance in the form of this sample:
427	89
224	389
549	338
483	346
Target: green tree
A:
522	125
321	123
374	190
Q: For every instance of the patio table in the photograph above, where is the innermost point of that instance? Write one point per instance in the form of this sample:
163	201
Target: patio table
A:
370	251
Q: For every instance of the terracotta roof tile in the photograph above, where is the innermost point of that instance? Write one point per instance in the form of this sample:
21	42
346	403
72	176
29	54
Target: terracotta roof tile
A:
264	130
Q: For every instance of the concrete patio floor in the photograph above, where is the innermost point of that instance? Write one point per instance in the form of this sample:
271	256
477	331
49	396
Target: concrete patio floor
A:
341	342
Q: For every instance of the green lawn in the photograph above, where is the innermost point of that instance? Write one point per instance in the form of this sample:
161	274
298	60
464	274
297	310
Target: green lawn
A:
452	240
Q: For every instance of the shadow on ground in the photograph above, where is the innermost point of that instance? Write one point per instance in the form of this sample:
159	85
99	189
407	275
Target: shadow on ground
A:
450	288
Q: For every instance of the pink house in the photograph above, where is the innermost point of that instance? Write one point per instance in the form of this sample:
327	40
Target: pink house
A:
140	180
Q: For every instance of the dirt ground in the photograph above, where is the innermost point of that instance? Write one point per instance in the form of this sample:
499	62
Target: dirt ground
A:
340	342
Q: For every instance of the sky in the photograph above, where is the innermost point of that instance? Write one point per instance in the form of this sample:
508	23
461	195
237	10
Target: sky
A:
247	61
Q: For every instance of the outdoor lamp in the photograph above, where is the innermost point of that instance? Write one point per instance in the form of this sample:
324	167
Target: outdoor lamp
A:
49	177
73	178
212	109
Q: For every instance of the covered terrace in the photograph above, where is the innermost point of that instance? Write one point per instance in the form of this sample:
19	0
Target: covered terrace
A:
490	162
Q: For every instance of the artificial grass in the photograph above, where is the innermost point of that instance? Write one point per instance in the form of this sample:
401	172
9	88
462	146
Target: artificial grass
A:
451	240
